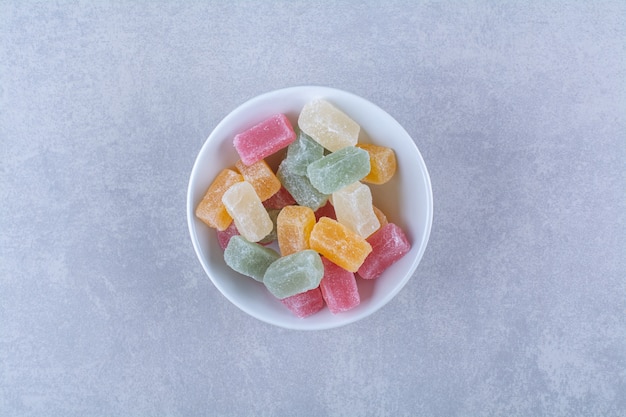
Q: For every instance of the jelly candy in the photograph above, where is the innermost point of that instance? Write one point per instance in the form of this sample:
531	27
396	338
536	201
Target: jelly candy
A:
339	244
300	187
339	288
338	169
211	210
306	303
223	236
293	274
302	152
264	139
327	125
353	207
279	200
294	225
382	161
261	176
389	244
246	209
273	213
382	219
247	258
317	209
327	210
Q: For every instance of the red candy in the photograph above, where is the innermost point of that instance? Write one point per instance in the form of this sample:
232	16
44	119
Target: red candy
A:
279	200
339	288
389	244
305	303
327	210
264	139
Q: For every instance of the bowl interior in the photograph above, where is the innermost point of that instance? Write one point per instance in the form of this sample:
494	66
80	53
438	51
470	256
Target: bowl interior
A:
406	200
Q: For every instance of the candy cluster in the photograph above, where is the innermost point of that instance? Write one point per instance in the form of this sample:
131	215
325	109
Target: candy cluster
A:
317	208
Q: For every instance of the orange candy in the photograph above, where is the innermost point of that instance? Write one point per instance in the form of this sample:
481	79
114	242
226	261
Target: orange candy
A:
382	219
293	228
211	210
382	163
339	244
262	178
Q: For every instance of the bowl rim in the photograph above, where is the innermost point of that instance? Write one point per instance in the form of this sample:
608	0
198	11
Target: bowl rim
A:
190	210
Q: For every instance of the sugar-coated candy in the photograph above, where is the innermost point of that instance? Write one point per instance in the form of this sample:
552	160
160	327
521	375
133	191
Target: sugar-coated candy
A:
300	187
327	210
271	237
382	219
306	303
328	125
261	176
338	169
223	236
316	209
339	288
293	228
382	163
279	200
293	274
389	244
247	211
264	139
211	210
302	152
248	258
354	209
339	244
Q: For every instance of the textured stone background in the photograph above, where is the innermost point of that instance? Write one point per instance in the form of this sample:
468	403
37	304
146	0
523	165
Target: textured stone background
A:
517	309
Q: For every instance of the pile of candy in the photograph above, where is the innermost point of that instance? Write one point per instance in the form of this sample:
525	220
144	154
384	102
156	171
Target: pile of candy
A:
316	207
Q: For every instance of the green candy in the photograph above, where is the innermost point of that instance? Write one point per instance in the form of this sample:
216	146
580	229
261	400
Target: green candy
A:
300	187
338	169
303	151
294	274
247	258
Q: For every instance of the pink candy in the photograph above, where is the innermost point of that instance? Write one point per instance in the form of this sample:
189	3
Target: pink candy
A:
339	288
389	244
264	139
305	303
223	236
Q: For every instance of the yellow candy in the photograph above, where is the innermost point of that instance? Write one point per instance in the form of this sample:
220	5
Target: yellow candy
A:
211	210
262	178
328	125
382	163
339	244
243	204
354	209
293	228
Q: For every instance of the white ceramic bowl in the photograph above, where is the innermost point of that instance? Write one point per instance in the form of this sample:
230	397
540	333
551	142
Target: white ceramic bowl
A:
406	200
